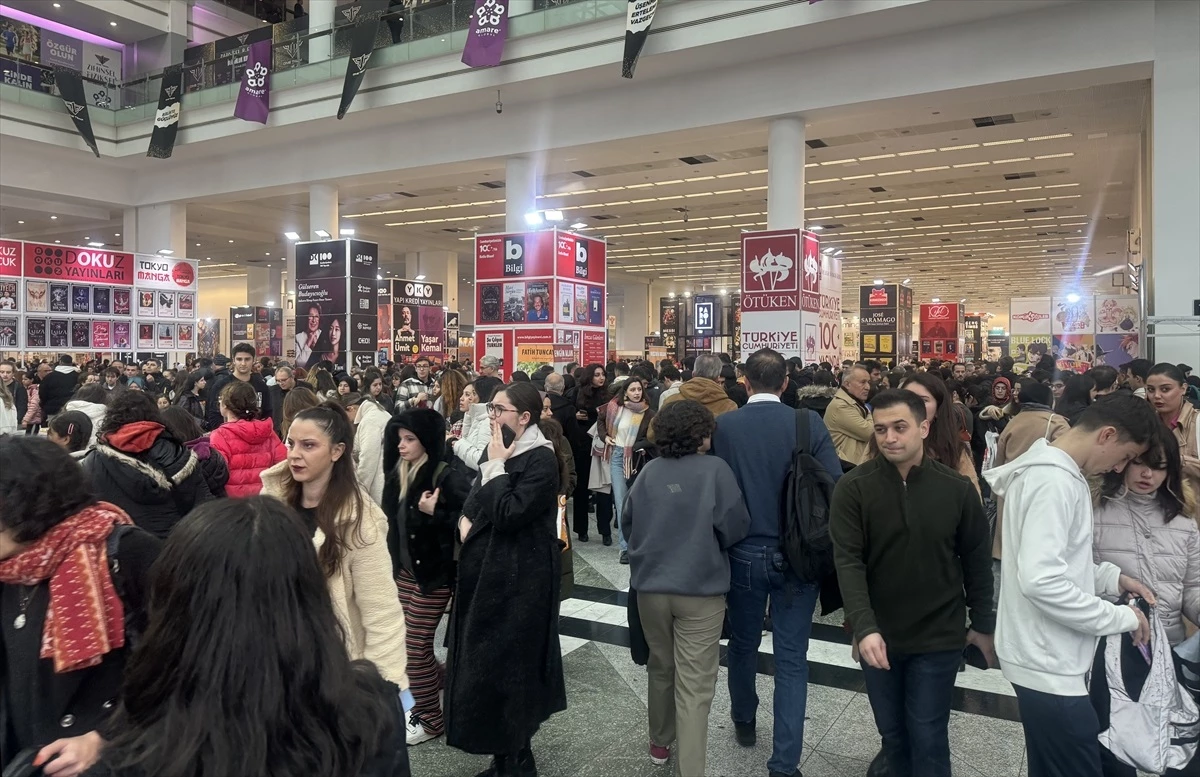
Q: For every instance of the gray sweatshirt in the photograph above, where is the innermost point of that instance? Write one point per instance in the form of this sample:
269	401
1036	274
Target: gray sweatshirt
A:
680	517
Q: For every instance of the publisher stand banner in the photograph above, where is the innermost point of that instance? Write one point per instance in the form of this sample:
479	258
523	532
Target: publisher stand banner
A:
550	281
336	300
940	331
972	350
781	293
884	321
417	315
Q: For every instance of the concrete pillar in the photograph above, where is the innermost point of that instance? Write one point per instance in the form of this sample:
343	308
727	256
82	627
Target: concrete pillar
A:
263	285
152	228
289	292
785	173
322	210
629	300
520	192
1173	272
436	267
320	19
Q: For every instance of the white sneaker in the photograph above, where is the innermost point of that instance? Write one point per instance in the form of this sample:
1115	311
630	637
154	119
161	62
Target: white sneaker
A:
415	733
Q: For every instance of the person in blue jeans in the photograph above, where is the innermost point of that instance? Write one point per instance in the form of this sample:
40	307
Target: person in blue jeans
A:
623	425
912	547
757	441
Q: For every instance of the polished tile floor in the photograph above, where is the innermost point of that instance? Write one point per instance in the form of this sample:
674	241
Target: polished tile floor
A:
603	732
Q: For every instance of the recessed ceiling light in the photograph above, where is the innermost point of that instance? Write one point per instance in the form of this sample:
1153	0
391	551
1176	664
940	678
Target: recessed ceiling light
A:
230	241
197	245
112	24
346	232
94	244
165	251
20	222
53	218
878	281
58	5
116	234
268	253
292	235
87	237
57	241
420	277
936	299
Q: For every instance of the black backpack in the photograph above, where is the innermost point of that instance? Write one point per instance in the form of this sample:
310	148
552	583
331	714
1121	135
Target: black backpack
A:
804	519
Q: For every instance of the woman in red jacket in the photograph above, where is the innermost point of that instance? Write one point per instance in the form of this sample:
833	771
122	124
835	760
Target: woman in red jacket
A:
248	443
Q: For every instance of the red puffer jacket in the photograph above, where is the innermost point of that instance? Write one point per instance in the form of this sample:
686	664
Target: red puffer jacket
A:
249	447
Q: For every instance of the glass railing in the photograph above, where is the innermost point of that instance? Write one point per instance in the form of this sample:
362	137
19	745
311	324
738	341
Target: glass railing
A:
303	54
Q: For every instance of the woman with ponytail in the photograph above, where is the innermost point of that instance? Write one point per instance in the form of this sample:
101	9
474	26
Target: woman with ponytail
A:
247	442
71	431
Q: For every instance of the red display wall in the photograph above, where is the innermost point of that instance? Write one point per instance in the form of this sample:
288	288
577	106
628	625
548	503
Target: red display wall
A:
941	331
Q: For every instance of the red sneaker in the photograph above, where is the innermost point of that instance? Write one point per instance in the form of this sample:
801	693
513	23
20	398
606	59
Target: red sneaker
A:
659	755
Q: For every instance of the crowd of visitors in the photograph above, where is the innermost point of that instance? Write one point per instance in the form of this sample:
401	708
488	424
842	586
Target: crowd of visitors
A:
239	568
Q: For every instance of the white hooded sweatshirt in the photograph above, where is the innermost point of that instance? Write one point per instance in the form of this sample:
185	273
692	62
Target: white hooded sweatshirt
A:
1051	615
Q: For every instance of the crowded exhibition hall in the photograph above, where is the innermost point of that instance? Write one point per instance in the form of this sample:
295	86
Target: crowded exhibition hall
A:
683	388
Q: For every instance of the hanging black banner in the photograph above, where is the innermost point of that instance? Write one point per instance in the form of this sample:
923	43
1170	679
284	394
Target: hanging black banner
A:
70	86
639	17
166	120
362	43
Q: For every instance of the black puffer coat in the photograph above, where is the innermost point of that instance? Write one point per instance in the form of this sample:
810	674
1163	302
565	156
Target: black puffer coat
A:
504	671
157	487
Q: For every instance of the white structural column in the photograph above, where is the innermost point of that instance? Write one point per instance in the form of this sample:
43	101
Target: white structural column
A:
1174	273
322	210
437	267
520	192
785	173
153	228
263	285
629	300
289	268
320	19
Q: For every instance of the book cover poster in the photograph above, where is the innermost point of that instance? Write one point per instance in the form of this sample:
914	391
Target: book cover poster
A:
595	306
122	305
8	296
537	302
145	337
514	302
186	304
81	334
120	335
166	304
58	332
60	294
490	307
35	296
566	302
145	306
81	299
185	338
35	333
581	303
101	334
102	300
8	332
166	337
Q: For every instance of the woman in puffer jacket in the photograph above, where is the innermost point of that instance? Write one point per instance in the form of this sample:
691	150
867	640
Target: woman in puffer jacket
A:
184	426
1139	526
141	468
248	443
91	400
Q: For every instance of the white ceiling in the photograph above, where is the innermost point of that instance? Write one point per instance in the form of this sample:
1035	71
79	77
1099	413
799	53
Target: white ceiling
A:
950	215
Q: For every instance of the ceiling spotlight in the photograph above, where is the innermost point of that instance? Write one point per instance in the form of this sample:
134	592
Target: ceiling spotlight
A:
935	299
378	277
687	294
165	251
815	228
112	24
346	232
318	232
57	241
1072	298
53	218
116	234
578	225
827	250
268	253
420	277
671	295
724	292
554	215
446	308
20	222
879	281
533	219
230	241
94	244
58	5
87	237
907	280
270	303
964	299
292	235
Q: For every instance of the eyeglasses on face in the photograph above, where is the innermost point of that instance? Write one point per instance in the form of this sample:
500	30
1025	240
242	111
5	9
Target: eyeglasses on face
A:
494	410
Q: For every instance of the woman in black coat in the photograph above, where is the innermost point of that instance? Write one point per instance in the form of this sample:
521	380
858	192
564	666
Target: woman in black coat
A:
55	708
591	395
504	672
138	466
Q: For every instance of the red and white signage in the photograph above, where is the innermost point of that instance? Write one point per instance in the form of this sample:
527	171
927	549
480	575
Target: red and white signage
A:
10	259
518	255
1029	316
162	272
781	293
941	330
81	265
595	344
579	258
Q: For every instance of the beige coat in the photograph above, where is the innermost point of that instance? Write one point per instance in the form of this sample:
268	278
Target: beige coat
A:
363	592
1025	428
850	431
1185	430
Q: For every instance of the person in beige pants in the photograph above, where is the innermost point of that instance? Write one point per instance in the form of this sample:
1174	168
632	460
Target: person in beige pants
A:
681	515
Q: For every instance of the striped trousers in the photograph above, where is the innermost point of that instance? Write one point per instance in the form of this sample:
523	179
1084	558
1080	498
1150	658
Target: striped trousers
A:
422	612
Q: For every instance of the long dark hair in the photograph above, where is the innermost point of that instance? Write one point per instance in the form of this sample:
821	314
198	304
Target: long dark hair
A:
189	383
1077	391
586	397
1163	453
243	668
181	424
944	444
341	496
128	407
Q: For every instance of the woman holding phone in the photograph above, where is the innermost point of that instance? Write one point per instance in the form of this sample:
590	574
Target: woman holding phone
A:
504	670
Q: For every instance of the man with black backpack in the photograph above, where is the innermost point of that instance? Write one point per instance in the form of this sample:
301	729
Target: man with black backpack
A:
783	553
913	554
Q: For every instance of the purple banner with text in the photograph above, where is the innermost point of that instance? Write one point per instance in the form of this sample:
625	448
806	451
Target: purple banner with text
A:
485	39
254	98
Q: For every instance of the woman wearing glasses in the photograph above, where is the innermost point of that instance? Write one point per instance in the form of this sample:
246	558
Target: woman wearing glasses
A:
504	670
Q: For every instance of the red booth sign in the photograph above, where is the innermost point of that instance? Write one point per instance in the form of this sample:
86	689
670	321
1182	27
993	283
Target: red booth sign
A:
10	259
66	263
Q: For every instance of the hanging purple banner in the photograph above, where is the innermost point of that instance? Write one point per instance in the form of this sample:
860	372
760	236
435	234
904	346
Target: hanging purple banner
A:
254	98
485	39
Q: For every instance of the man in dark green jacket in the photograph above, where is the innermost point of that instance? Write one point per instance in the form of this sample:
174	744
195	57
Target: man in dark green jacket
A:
913	554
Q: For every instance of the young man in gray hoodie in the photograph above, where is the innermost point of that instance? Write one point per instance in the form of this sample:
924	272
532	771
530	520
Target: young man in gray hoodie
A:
1051	612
